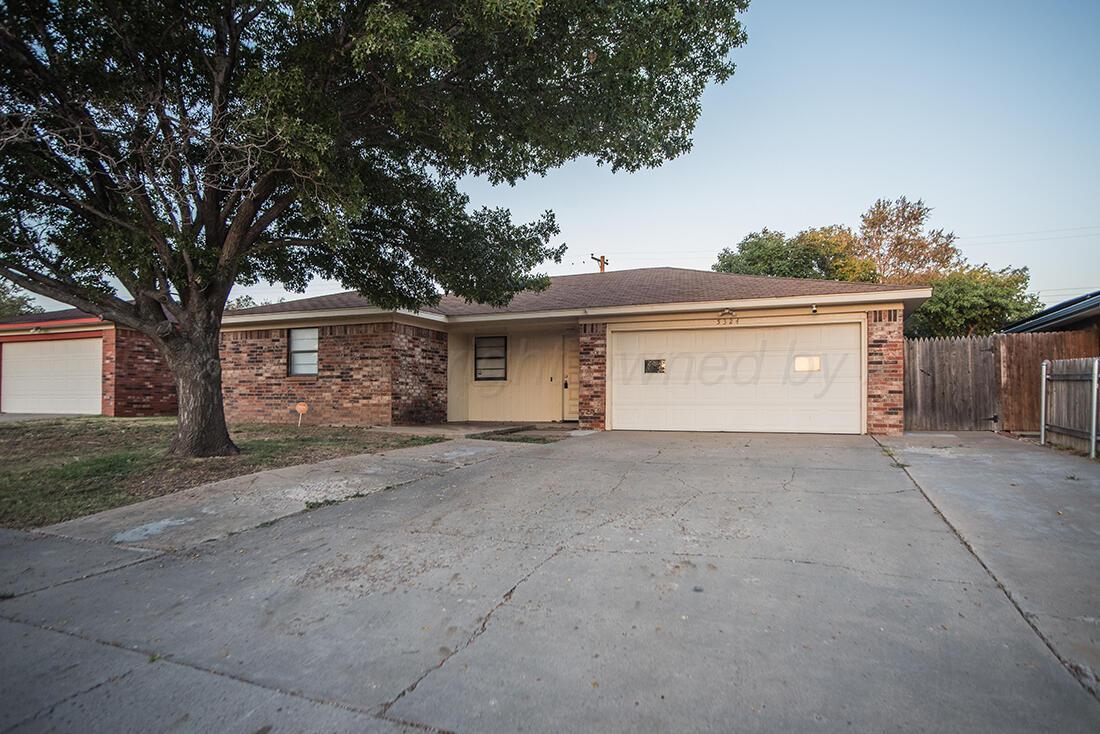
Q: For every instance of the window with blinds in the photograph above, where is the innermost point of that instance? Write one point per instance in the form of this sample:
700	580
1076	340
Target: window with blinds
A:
303	352
490	358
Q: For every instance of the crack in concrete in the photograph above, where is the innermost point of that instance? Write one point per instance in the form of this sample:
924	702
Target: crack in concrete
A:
1083	618
698	493
47	710
412	724
1080	673
383	711
774	559
482	626
86	576
171	660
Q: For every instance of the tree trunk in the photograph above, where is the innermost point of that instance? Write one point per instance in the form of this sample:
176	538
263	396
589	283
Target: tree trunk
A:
202	430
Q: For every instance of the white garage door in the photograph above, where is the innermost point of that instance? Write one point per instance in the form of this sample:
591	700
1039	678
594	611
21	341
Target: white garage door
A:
63	376
794	379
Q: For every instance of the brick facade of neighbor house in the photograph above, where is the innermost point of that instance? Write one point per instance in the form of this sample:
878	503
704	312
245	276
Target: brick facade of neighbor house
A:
592	400
136	379
382	373
885	372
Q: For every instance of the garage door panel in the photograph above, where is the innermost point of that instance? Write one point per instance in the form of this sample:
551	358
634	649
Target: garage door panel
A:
62	376
739	379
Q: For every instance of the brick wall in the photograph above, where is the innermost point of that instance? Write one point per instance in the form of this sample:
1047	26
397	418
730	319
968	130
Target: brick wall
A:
136	379
885	372
592	401
367	374
419	375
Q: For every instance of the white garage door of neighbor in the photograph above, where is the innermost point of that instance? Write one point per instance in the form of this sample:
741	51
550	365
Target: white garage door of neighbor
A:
62	376
792	379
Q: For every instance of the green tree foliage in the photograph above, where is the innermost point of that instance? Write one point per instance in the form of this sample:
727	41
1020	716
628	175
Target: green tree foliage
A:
823	252
14	302
893	237
894	245
974	301
767	253
183	147
242	301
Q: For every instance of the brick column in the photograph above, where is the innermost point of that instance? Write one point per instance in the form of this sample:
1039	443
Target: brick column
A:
136	379
885	372
419	376
592	401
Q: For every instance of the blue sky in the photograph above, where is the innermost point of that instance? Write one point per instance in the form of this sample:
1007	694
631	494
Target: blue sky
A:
988	110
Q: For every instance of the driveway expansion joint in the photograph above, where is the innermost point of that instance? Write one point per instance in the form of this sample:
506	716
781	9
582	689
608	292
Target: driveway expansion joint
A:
49	709
153	555
169	659
1084	677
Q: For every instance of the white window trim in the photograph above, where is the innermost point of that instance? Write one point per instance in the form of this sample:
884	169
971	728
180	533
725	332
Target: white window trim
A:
290	352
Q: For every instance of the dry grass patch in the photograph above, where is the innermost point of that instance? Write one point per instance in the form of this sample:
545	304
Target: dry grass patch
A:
55	470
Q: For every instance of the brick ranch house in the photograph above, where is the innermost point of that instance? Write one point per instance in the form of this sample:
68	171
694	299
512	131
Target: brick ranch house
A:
646	349
654	348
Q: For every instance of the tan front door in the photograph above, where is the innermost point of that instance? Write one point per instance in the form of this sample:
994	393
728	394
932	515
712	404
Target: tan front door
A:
571	373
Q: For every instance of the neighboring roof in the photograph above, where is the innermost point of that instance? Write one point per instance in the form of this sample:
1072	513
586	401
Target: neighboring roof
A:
638	287
64	314
1059	315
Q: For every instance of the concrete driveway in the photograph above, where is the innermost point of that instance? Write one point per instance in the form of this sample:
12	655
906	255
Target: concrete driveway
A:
620	581
24	417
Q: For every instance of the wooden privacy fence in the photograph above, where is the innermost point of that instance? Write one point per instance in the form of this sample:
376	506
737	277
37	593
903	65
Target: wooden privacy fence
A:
1068	403
984	383
950	384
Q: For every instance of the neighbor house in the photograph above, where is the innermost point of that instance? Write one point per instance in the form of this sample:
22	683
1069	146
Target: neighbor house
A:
71	362
1074	314
652	349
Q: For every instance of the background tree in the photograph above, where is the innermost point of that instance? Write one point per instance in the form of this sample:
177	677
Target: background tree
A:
14	302
767	252
184	146
974	301
242	301
823	252
836	247
892	235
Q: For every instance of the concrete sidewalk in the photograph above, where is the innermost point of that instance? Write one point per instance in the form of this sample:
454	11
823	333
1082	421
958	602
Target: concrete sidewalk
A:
219	509
1032	515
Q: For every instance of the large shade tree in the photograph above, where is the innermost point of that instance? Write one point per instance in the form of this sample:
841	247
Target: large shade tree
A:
154	154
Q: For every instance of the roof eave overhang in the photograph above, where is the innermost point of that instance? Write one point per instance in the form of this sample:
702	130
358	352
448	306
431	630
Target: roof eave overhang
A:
322	314
58	326
1083	311
910	297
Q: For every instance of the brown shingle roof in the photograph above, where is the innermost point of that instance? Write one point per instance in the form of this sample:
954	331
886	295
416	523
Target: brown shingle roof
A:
616	288
64	314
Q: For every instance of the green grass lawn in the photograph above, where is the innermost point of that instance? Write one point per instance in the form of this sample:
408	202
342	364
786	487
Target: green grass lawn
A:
54	470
